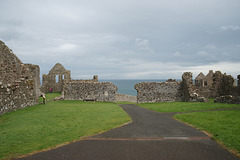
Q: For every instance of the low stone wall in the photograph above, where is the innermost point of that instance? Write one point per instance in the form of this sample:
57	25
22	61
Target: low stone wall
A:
228	99
150	92
92	91
126	98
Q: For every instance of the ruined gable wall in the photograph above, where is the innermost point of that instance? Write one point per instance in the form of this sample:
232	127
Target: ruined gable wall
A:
189	91
150	92
50	81
10	65
209	79
97	91
199	81
19	83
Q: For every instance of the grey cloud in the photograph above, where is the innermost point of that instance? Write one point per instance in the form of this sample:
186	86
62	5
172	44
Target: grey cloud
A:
110	37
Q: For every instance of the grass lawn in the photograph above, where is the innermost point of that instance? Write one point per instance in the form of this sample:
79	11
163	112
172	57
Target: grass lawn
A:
185	106
45	126
49	96
223	125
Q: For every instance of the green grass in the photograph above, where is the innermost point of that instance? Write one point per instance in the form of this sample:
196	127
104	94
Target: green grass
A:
223	125
185	106
49	96
46	126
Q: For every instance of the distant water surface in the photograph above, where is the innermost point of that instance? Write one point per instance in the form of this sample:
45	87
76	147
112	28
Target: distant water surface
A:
127	86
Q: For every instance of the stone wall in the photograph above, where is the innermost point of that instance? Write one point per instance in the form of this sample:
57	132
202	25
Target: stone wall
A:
170	91
214	85
125	98
19	83
222	84
189	91
203	84
90	91
228	99
238	81
17	95
150	92
55	79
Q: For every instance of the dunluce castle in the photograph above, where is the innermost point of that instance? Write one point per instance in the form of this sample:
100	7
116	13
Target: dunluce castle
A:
20	86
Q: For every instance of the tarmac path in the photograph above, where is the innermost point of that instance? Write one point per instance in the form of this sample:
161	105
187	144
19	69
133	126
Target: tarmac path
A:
150	136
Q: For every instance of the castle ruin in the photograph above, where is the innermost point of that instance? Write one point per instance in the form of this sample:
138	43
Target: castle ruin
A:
19	82
212	85
20	86
59	80
169	91
55	79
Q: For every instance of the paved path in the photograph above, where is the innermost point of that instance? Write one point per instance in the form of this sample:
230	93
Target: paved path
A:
150	136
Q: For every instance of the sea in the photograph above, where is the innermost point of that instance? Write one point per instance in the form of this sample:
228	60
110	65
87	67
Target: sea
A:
126	86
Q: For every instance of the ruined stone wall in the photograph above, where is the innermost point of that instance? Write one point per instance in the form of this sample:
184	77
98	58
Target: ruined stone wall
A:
189	91
10	65
96	91
237	88
19	83
125	98
55	79
17	95
222	84
150	92
228	99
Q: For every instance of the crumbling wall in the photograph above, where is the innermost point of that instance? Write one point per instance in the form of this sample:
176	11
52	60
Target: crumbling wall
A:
203	84
125	98
222	84
55	79
17	95
238	81
189	92
170	91
158	92
19	83
90	91
228	99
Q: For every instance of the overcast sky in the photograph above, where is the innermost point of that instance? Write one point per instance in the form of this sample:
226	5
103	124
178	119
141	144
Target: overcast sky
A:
124	39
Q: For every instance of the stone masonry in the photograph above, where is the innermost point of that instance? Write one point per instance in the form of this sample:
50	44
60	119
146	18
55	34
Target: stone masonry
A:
189	93
222	84
150	92
55	79
170	91
228	99
90	91
125	98
19	83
